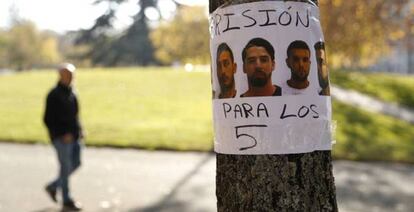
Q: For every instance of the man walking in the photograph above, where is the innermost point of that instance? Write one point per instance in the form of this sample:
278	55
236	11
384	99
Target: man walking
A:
62	120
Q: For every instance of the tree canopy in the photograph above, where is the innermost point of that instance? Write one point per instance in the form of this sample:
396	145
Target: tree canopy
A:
358	33
184	39
23	46
130	47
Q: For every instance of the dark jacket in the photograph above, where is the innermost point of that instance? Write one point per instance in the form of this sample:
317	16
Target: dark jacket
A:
61	114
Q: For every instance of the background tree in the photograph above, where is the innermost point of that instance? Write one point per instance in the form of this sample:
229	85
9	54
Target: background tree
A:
27	47
131	47
359	33
3	49
135	44
74	53
183	38
49	53
294	182
23	45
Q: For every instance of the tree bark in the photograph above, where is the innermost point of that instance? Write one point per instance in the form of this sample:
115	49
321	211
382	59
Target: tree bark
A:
295	182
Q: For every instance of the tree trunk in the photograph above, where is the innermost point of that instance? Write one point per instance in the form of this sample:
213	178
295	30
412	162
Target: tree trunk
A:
295	182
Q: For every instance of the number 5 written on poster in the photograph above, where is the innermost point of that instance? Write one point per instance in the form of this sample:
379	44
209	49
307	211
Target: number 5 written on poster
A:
251	137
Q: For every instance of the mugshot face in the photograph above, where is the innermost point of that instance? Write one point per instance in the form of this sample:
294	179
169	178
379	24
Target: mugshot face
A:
299	63
225	69
258	66
323	73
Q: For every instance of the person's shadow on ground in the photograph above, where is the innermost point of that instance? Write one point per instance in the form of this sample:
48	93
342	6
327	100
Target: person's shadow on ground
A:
169	203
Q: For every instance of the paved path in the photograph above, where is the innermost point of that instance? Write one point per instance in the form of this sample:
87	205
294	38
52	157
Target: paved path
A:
374	105
135	180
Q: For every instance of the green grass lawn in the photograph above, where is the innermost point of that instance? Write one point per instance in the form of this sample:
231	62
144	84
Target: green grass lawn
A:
151	109
387	87
166	109
363	135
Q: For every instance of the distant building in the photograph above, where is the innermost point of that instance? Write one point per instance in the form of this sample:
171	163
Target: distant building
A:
401	59
396	62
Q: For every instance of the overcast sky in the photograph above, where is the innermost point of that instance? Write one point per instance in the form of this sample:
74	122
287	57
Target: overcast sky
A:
63	15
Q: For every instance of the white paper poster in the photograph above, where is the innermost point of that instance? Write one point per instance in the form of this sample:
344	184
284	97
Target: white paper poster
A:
269	78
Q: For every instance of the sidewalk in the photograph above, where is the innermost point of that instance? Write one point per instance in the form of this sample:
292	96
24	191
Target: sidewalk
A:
135	180
371	104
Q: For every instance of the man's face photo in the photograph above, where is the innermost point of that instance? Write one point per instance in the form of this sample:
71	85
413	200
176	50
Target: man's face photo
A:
258	66
226	69
299	63
323	73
